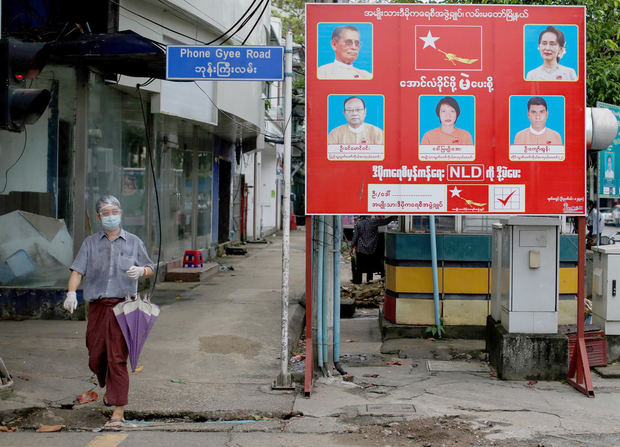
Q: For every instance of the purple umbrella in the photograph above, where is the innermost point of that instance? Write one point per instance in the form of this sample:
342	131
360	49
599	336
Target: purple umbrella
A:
136	317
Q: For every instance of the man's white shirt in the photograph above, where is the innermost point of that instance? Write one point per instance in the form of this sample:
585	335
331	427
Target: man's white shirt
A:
340	70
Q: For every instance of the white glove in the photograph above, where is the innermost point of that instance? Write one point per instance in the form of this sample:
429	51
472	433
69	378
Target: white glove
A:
135	272
70	303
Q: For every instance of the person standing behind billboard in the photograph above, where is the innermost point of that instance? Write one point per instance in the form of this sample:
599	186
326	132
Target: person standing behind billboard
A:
365	243
594	223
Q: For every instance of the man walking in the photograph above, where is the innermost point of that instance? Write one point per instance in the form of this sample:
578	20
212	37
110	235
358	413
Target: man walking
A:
595	224
110	262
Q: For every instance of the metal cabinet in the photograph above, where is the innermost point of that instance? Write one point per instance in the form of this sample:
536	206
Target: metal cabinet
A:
606	288
529	274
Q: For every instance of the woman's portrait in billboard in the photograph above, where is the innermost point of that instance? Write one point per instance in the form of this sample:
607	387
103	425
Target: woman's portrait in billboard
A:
447	133
552	47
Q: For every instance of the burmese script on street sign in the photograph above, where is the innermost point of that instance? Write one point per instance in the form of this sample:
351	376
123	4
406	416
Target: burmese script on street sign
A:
224	63
445	109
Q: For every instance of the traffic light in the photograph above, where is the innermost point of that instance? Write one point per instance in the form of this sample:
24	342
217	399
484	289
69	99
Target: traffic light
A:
20	105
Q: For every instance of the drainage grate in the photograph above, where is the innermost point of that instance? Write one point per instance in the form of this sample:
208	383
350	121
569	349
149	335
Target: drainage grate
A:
452	366
390	409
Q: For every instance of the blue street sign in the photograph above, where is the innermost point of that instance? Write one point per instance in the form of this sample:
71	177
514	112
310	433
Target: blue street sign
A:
224	63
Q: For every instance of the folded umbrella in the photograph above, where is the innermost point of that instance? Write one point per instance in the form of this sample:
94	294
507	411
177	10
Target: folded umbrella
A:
136	317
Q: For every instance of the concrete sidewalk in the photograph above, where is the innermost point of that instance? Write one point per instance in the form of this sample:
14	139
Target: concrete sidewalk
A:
213	352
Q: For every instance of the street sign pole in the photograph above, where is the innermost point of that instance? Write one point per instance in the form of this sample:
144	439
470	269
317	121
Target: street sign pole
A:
283	381
249	63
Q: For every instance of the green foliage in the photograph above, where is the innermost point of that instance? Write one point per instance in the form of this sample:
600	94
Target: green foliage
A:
602	52
602	38
431	331
292	13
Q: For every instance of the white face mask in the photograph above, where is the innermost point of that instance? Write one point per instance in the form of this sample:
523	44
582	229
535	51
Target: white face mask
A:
111	222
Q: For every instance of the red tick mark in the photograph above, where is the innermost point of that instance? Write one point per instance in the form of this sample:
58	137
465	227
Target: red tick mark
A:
505	201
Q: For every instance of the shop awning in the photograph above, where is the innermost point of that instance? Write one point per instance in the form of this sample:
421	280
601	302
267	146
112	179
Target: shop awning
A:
124	53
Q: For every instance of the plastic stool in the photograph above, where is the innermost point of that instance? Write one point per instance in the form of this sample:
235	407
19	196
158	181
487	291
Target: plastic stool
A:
192	258
293	225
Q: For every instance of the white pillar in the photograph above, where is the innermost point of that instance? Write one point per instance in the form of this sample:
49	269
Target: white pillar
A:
284	378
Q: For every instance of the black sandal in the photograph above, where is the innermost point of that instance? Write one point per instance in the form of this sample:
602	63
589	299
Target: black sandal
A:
105	401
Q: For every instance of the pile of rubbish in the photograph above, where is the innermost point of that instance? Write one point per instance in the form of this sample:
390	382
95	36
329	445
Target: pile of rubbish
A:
366	294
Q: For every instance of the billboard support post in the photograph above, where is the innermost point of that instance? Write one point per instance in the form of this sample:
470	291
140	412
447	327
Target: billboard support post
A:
579	366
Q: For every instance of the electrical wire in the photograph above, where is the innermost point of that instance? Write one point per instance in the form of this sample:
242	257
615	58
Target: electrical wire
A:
6	173
156	23
242	25
233	118
247	19
183	12
236	23
256	23
229	29
160	44
288	121
150	152
148	82
205	14
194	38
138	86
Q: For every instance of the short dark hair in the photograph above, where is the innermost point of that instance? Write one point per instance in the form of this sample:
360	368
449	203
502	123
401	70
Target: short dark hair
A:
339	30
536	101
450	101
353	97
559	34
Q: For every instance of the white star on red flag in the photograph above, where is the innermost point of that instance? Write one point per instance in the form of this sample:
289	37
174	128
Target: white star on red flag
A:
429	40
456	192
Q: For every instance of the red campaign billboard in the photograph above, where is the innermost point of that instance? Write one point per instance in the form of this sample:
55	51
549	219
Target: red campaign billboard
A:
445	109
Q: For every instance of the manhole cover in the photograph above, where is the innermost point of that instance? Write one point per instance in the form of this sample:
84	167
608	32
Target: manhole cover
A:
390	409
452	366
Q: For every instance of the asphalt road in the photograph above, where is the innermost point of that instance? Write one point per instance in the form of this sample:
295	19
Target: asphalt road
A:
610	230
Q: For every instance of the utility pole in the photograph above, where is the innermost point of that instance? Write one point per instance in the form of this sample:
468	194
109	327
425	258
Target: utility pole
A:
283	381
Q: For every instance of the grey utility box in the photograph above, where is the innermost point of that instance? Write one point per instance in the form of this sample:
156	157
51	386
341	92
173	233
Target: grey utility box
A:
606	288
529	274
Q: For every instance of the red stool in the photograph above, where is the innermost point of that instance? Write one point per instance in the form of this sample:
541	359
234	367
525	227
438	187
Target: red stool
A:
192	258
